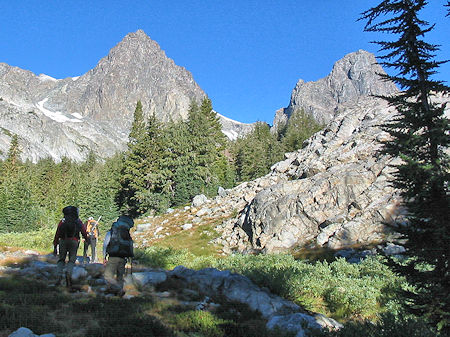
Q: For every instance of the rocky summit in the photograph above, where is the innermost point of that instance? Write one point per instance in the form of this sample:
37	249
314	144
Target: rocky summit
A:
355	75
70	117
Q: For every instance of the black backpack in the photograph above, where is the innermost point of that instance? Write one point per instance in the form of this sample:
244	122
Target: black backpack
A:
69	228
120	243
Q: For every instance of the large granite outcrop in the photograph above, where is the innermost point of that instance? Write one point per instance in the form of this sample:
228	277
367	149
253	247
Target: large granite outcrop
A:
70	117
355	75
335	192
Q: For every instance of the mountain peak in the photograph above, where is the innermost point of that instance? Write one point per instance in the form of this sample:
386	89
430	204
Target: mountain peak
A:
137	35
355	75
136	42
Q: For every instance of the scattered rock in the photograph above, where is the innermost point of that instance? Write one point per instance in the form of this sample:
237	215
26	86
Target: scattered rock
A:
143	279
25	332
186	226
221	191
199	200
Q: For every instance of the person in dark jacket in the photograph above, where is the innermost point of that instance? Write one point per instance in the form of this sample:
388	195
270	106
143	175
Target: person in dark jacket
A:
67	236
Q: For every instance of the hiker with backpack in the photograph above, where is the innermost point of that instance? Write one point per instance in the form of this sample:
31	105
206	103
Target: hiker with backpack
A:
117	248
93	232
67	236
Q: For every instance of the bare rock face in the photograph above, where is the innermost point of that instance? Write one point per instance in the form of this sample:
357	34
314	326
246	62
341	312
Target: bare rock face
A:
70	117
335	192
354	76
135	69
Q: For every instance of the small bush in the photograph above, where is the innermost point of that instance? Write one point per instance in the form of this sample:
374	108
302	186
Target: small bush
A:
201	321
387	326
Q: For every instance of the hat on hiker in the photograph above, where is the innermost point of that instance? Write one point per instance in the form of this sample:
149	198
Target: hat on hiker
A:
90	218
70	210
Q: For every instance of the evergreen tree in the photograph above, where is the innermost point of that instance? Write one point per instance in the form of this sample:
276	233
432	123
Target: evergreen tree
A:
142	181
101	183
420	137
178	164
207	144
256	153
134	164
300	127
18	209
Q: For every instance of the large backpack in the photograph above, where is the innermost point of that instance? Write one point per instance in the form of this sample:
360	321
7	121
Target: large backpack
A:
69	228
120	242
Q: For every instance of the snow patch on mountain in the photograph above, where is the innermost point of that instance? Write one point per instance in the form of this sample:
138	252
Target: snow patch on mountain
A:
55	115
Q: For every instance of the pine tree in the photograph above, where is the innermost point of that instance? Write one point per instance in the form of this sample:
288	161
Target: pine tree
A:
134	164
300	127
256	153
207	148
420	137
18	209
142	180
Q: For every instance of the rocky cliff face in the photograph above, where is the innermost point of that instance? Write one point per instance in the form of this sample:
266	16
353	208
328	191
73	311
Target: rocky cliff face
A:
335	192
70	117
355	75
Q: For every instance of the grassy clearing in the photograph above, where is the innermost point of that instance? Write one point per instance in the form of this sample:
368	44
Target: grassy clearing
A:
196	241
39	240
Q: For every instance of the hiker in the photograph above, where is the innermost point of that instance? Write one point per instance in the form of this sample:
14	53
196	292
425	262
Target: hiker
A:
117	247
93	233
67	236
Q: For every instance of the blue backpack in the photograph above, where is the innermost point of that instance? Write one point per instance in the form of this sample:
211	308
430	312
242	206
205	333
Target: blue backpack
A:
120	243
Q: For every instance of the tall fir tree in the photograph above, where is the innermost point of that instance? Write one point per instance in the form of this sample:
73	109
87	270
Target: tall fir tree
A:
142	181
134	164
256	153
420	137
300	127
207	143
19	210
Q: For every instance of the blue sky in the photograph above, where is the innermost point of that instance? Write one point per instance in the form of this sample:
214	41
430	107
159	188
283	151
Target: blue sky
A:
246	55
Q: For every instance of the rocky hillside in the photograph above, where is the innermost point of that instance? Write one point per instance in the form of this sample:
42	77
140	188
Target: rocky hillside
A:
334	193
69	117
355	75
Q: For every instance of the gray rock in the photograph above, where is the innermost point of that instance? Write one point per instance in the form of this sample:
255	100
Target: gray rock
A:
235	287
199	200
354	76
95	270
79	273
203	211
221	191
143	227
186	226
25	332
144	279
297	323
393	249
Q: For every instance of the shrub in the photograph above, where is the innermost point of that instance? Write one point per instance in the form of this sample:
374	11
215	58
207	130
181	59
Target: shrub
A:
387	326
340	289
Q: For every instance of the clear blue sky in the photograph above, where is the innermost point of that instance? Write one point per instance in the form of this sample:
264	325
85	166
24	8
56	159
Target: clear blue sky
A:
247	55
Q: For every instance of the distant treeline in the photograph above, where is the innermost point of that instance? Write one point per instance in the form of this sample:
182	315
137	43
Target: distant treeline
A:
164	166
